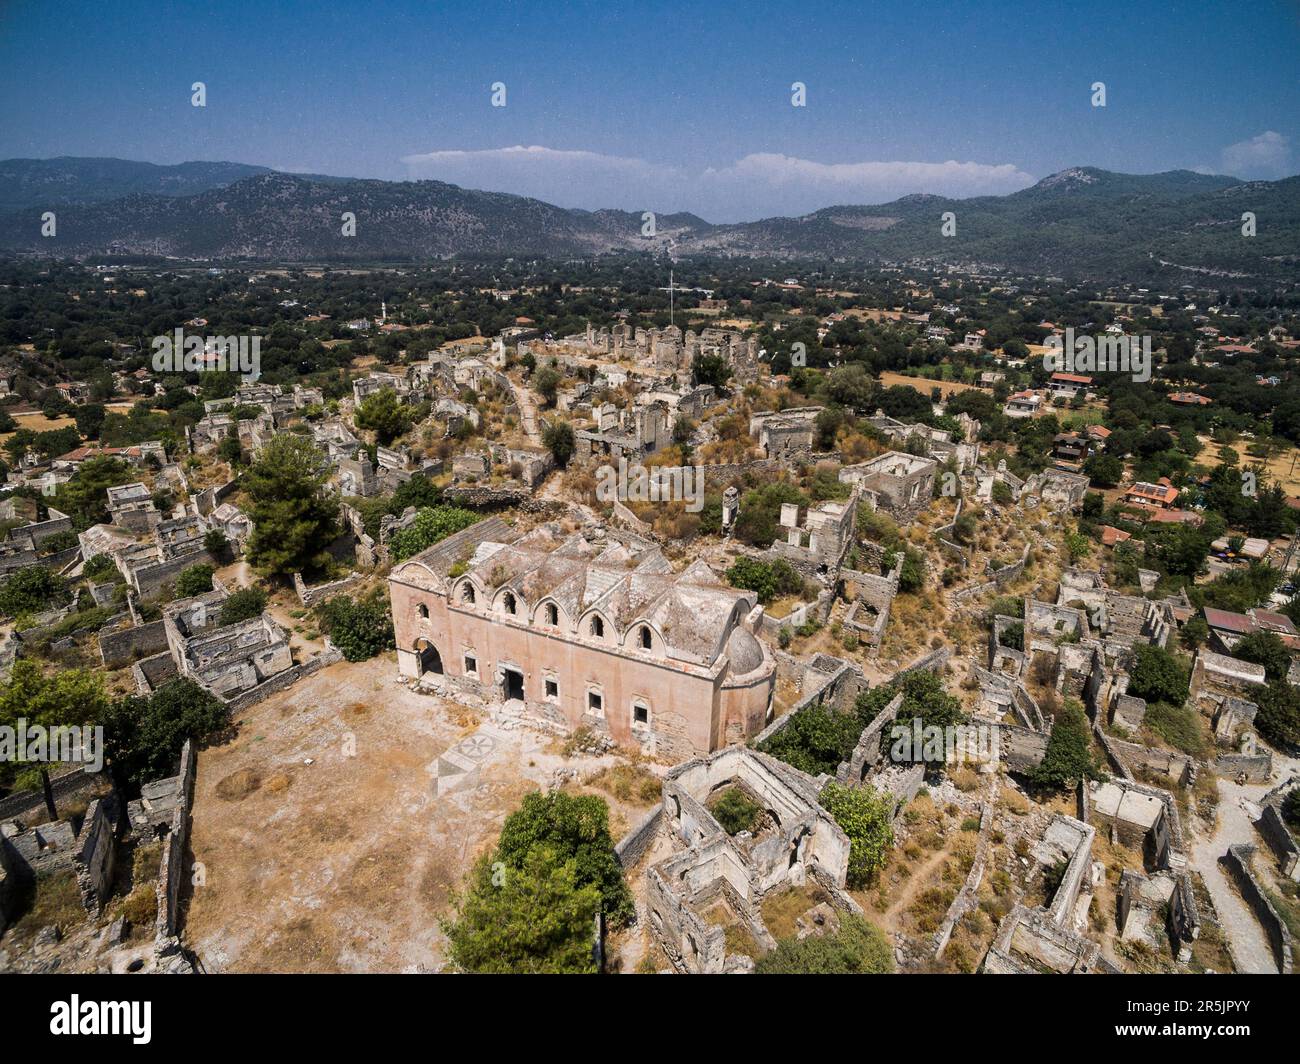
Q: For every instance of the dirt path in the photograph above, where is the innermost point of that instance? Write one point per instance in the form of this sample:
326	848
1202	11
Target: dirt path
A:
1246	939
917	880
528	418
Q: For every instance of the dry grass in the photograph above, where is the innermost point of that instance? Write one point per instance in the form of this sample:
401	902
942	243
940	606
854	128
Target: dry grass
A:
782	910
634	784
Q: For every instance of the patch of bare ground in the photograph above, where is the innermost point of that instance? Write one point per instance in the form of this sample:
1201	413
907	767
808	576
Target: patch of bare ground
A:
332	833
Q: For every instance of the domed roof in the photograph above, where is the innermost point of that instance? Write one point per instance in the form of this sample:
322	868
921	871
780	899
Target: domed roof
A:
744	651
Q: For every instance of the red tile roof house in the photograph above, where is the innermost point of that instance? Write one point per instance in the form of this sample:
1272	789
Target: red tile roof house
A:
1229	627
1189	399
1161	493
1157	516
74	458
1110	535
1069	383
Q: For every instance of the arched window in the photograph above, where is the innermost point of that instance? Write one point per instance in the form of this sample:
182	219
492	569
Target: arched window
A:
598	628
424	611
552	614
647	640
468	594
508	601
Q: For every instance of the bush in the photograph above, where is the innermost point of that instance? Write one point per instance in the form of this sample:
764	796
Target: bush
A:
1158	675
765	579
735	812
243	605
32	589
101	568
865	817
196	580
1291	808
431	525
816	740
858	948
1069	757
359	628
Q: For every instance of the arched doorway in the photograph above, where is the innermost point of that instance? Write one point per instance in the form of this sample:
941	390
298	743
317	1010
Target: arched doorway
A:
429	658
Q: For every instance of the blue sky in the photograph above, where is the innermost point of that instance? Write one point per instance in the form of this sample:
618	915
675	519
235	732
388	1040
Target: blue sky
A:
664	106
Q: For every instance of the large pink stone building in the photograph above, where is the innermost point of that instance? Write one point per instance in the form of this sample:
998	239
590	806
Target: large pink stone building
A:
603	637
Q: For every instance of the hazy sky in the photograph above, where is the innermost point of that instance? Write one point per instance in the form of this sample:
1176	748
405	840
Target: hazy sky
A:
663	106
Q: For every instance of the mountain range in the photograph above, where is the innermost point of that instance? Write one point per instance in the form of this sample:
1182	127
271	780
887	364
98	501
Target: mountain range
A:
1079	223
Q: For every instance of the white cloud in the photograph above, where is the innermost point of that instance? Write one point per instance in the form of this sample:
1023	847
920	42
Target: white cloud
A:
758	185
1266	156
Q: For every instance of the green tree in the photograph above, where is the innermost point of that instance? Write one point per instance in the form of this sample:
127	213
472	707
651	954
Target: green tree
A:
577	826
84	497
1104	470
851	386
711	369
67	698
735	811
360	628
243	605
31	589
865	816
194	580
558	438
765	579
1267	649
1278	718
143	736
1158	675
1194	633
384	414
536	918
1069	757
294	517
816	740
546	383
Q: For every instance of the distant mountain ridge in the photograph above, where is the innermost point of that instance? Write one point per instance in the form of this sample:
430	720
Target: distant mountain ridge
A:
1079	222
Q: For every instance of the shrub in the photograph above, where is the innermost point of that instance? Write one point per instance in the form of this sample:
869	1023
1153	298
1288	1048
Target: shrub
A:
31	589
857	948
196	580
431	525
865	817
1158	675
735	812
243	605
1068	758
360	628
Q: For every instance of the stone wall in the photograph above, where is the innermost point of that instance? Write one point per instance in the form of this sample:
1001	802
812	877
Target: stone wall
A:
150	579
1256	767
1279	935
171	872
1279	837
312	596
282	680
634	844
69	784
96	856
118	648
